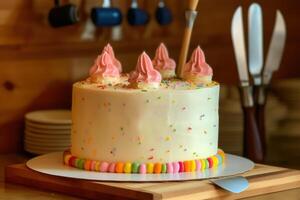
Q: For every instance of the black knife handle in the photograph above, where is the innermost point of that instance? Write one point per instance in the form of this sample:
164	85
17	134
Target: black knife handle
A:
252	141
260	94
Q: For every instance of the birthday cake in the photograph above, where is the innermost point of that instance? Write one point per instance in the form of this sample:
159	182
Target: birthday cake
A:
147	121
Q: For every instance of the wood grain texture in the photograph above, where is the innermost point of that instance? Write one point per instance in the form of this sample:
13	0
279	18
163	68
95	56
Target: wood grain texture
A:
263	179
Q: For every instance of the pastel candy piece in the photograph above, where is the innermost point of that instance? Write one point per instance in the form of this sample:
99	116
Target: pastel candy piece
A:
112	167
97	166
170	168
193	165
72	161
222	154
67	158
181	166
150	168
215	161
76	162
203	163
198	165
164	168
81	163
210	162
135	167
93	165
119	167
220	160
127	168
220	151
187	166
176	167
103	167
157	168
87	165
143	169
206	164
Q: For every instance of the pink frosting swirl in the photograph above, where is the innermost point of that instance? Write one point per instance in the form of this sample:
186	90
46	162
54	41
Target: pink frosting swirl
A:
162	61
108	48
144	71
104	67
197	64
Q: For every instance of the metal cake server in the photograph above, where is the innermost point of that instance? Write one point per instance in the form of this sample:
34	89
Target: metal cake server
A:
234	184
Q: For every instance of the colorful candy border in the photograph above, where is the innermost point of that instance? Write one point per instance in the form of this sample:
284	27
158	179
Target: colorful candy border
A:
144	168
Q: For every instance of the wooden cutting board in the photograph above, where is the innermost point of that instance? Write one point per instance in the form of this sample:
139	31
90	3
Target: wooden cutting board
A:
263	179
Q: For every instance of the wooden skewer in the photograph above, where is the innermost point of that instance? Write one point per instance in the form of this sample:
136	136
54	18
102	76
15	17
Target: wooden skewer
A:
186	37
193	4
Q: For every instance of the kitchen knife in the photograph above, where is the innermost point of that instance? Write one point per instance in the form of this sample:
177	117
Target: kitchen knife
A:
255	38
255	53
274	56
275	49
237	34
252	143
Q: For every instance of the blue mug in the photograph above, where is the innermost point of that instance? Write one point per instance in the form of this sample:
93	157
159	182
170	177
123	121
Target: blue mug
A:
163	15
137	17
106	16
63	15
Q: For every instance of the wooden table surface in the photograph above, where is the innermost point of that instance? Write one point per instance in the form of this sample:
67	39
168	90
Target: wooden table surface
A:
266	182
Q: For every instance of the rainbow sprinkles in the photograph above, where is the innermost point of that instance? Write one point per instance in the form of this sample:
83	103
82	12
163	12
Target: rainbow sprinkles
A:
145	168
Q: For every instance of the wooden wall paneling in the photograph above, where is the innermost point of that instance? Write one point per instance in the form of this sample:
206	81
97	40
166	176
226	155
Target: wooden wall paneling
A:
34	84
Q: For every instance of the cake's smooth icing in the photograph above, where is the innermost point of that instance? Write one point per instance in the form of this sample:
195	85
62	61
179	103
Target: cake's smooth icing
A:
197	70
163	63
113	123
145	76
142	123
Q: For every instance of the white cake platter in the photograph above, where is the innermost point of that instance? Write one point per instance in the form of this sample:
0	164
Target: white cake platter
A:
52	164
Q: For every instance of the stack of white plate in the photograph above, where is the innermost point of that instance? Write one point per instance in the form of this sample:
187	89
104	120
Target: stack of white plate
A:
47	131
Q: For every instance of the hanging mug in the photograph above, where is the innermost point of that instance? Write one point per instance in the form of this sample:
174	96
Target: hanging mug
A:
63	15
163	14
137	16
106	15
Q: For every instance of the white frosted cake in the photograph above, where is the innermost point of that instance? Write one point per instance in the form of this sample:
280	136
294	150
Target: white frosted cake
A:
147	121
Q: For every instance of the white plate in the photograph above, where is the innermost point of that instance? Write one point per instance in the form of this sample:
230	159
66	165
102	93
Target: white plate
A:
49	131
52	164
44	149
47	144
46	141
50	116
47	126
47	136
